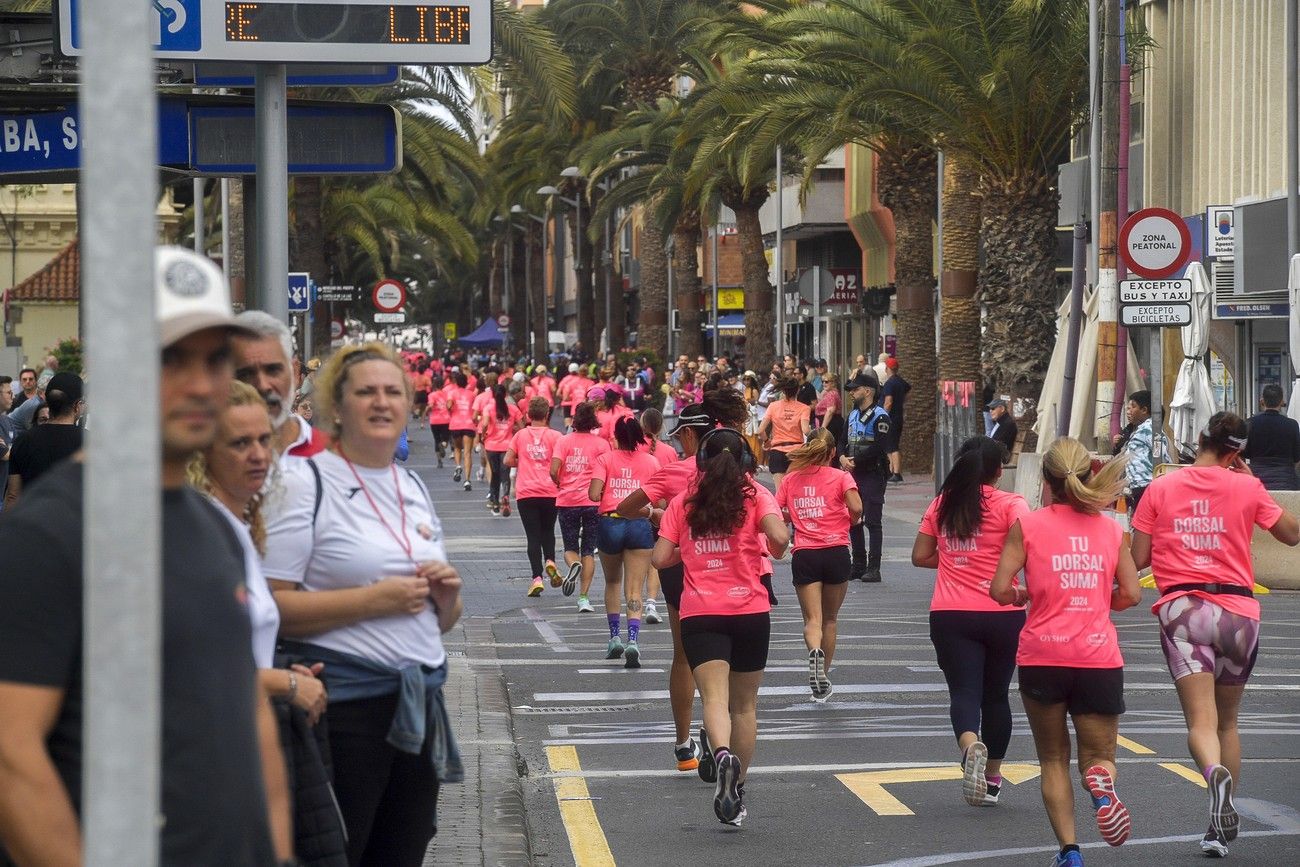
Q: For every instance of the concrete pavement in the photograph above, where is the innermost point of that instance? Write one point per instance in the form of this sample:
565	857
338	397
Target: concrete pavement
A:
569	755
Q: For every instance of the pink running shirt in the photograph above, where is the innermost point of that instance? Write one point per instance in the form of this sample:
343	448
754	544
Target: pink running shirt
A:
609	417
462	408
671	480
722	574
1070	561
814	497
663	453
1200	520
966	566
533	447
577	452
482	401
499	432
438	413
544	386
622	472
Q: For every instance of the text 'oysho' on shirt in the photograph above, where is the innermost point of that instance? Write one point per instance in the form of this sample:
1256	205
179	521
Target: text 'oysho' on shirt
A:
814	497
1200	520
350	545
533	447
966	566
577	453
722	573
1070	560
622	472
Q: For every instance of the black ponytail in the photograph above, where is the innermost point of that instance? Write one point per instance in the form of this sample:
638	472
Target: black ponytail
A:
499	393
961	505
628	433
718	507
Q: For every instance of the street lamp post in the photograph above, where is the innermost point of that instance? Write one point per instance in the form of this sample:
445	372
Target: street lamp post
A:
552	192
528	275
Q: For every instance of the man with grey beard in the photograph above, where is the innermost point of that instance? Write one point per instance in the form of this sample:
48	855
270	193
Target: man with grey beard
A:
263	360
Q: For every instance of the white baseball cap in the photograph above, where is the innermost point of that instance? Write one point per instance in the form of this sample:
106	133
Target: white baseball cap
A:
191	294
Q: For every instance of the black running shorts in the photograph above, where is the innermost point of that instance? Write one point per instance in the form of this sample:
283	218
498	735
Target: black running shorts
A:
778	462
738	639
1082	690
673	580
821	565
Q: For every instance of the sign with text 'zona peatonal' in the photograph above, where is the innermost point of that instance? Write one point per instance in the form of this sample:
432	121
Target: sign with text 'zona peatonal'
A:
294	31
389	296
1155	243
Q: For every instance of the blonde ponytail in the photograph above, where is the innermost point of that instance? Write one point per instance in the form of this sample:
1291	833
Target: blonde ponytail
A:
817	452
1067	469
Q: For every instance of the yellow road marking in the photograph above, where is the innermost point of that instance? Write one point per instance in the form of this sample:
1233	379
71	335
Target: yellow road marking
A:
870	785
1134	746
1185	772
586	837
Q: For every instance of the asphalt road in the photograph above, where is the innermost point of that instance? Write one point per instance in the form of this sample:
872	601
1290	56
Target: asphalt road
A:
870	777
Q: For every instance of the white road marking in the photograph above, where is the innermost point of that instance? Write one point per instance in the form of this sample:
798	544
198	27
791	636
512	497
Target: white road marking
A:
547	631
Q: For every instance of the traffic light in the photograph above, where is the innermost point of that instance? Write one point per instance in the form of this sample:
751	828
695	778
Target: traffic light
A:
875	299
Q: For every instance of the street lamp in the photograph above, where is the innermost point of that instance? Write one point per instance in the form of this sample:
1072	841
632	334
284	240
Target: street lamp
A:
552	192
528	271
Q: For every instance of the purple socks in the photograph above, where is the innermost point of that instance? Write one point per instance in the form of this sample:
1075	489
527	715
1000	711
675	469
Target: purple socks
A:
613	625
633	628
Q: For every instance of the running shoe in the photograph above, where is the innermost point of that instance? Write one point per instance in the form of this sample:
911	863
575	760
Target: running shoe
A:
467	485
632	655
1212	846
478	474
1223	815
553	573
614	649
708	769
1068	859
652	613
896	479
814	686
991	795
688	757
872	575
744	813
456	476
505	508
571	579
726	795
536	589
1113	819
973	785
584	605
440	460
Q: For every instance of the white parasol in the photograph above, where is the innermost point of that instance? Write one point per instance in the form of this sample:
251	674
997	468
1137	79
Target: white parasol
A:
1192	403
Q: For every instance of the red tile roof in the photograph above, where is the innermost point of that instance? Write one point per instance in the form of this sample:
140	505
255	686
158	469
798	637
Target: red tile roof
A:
59	280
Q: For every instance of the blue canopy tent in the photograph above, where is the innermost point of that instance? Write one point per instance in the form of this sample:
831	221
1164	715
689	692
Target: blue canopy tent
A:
730	323
487	334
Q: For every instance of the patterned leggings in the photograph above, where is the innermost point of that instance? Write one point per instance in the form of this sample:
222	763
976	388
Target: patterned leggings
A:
1199	636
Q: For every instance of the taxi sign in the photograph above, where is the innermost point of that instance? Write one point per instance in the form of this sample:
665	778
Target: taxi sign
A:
1155	291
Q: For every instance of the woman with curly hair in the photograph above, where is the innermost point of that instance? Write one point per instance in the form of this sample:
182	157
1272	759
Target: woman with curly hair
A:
713	530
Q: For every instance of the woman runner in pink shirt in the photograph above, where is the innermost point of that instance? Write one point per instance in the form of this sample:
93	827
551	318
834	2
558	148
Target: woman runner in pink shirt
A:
624	542
499	421
439	416
821	501
974	637
531	450
714	531
460	406
1194	524
652	424
572	464
1077	570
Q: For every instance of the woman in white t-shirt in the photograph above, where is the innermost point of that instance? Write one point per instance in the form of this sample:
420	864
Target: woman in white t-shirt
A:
233	473
356	561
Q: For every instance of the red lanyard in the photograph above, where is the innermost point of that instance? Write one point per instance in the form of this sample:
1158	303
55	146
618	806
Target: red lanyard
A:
404	542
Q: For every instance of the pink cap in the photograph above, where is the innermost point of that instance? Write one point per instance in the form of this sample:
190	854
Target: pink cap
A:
596	392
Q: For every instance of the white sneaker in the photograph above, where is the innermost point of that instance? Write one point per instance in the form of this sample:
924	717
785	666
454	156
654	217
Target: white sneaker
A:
584	606
651	612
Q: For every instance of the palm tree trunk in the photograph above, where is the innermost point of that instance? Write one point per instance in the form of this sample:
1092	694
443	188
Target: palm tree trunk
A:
686	240
652	325
907	175
310	245
234	257
959	315
759	317
1019	284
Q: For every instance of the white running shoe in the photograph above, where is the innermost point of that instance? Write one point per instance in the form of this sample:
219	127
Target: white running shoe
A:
973	784
652	613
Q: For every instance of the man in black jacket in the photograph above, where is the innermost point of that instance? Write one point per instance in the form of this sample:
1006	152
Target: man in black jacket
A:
863	444
1273	446
1004	428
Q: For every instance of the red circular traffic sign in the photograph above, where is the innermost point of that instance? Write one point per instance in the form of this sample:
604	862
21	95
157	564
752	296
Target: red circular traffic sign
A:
1154	243
503	321
389	296
336	329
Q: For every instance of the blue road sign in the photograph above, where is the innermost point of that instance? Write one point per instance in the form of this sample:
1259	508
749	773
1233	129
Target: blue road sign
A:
46	141
215	139
299	292
176	25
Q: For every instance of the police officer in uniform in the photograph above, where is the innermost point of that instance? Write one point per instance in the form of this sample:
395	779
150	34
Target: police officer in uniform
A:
863	444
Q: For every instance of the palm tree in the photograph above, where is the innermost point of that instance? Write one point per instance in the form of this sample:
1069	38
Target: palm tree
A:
959	314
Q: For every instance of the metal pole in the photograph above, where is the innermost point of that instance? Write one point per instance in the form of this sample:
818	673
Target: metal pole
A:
609	276
577	268
717	315
1157	394
1121	215
528	289
672	299
548	276
1094	135
505	284
200	220
225	227
306	336
1292	131
121	653
1077	277
272	291
817	312
780	265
